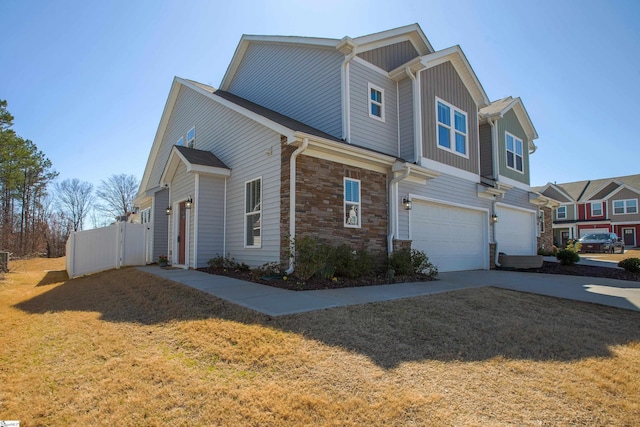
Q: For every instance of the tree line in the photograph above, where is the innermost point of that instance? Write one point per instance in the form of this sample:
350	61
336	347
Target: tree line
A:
37	212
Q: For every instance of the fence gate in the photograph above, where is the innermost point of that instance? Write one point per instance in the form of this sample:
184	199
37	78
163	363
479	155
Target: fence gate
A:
115	246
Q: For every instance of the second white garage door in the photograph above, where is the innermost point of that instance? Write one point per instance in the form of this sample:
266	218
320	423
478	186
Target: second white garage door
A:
453	238
516	231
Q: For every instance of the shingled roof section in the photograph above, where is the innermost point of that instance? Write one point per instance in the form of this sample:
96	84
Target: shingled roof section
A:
201	157
275	116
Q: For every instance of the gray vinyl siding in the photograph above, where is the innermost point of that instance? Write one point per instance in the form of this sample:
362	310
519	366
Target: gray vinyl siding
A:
182	186
210	218
367	131
486	151
624	194
445	188
571	213
300	82
510	123
241	144
605	191
405	119
442	81
160	223
555	194
390	57
519	198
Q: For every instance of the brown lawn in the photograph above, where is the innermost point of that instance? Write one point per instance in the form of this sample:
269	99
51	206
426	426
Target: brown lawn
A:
126	348
628	253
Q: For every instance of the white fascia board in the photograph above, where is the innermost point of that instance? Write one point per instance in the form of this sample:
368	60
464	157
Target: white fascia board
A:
208	170
276	127
400	73
563	192
622	187
443	168
370	66
543	201
162	127
456	56
411	32
599	189
514	183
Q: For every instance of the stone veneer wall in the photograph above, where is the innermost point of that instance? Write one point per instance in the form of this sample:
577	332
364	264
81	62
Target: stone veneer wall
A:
546	239
320	204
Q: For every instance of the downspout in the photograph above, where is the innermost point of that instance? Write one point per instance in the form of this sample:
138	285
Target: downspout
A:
346	103
292	202
417	116
494	164
224	221
393	208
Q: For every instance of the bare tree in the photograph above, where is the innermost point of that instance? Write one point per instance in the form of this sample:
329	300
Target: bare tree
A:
74	200
117	193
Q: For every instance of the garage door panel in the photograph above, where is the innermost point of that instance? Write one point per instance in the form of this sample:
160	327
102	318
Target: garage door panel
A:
452	237
515	231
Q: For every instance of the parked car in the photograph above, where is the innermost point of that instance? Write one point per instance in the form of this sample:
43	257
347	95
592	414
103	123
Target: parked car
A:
602	242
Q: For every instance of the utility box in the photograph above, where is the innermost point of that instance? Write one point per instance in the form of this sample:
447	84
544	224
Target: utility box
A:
4	262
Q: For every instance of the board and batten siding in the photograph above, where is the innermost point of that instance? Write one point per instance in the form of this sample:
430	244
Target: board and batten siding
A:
486	151
510	123
444	188
160	221
407	147
443	81
367	131
303	83
390	57
210	208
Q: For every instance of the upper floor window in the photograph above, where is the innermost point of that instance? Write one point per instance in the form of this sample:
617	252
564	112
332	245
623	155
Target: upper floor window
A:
191	137
452	128
561	212
252	213
515	159
351	203
180	141
629	206
376	102
596	209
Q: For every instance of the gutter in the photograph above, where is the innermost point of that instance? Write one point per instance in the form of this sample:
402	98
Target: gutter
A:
417	115
346	45
496	255
292	203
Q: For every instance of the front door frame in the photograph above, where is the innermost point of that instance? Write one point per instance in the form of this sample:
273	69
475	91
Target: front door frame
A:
622	230
176	261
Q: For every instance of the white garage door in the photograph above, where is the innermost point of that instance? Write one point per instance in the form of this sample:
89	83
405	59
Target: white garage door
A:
515	231
453	238
584	232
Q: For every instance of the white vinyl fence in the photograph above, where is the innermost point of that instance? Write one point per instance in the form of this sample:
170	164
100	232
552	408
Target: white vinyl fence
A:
105	248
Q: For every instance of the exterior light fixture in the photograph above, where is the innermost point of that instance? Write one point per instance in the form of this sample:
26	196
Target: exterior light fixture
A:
406	203
168	210
188	203
494	218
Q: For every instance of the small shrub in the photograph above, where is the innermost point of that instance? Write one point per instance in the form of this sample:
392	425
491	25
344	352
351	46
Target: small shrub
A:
574	246
344	261
421	264
411	263
400	263
217	262
546	252
227	262
630	264
567	257
311	256
270	269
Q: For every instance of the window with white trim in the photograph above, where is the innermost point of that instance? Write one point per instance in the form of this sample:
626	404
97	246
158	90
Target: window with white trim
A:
561	212
628	206
596	208
376	102
515	153
253	213
191	137
145	216
180	141
452	131
351	203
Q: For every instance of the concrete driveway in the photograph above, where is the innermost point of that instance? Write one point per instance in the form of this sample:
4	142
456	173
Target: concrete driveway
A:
278	302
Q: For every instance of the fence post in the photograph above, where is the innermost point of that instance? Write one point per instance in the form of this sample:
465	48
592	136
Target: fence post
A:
70	251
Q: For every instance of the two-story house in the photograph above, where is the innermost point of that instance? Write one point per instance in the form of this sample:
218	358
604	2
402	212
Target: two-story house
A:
592	206
379	142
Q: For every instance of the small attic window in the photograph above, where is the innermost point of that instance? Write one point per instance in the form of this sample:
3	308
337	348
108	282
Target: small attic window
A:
191	137
376	102
180	142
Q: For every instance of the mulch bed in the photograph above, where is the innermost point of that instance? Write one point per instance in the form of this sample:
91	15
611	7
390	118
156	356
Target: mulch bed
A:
292	283
584	270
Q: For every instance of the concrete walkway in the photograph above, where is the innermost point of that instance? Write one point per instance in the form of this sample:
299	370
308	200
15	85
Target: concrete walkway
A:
278	302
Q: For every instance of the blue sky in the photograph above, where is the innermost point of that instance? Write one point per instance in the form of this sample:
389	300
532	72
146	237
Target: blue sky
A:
87	81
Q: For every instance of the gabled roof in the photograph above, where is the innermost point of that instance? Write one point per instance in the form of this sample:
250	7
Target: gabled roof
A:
197	161
581	191
196	157
412	33
497	109
555	192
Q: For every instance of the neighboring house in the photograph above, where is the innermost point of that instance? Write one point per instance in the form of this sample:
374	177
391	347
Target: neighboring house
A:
602	205
379	142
